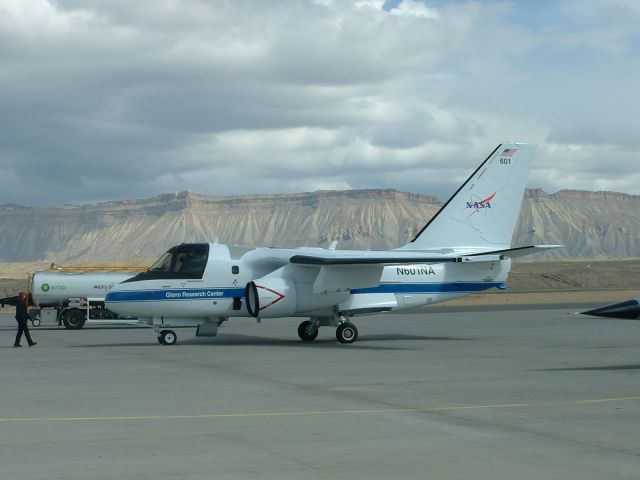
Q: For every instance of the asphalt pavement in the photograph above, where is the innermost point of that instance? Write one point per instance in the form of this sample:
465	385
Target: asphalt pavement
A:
490	394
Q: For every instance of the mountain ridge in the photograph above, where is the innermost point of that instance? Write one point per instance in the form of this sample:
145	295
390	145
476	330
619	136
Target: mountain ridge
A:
189	196
590	224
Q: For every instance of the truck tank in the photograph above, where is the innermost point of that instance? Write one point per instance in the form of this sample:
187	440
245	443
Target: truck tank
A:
72	297
53	288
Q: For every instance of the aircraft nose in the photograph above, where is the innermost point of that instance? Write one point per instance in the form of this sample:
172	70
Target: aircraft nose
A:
629	309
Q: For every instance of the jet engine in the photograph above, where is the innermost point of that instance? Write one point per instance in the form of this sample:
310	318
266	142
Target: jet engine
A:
271	297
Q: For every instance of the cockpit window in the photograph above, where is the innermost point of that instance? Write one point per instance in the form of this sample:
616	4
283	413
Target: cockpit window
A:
187	261
191	261
163	264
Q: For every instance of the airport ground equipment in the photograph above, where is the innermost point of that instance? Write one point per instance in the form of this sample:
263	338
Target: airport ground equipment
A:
74	295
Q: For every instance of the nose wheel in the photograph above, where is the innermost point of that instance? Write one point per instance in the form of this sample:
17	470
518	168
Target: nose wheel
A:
167	337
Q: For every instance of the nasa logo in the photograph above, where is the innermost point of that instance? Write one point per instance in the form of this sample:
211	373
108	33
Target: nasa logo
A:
477	205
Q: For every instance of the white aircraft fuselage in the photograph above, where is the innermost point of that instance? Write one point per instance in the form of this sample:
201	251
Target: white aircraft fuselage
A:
221	293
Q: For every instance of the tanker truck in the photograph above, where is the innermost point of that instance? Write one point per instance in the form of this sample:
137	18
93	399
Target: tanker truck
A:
72	296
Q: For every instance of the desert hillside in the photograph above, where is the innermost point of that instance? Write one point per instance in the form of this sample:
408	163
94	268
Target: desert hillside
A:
590	224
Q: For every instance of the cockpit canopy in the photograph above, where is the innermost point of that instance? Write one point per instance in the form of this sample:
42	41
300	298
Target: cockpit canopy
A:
184	261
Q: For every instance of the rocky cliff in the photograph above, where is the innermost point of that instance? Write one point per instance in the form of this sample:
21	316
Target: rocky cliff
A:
590	224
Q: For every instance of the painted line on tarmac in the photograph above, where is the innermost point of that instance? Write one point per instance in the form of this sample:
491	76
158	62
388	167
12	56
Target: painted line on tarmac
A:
320	412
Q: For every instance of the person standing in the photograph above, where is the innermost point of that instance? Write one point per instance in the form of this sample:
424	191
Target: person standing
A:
22	317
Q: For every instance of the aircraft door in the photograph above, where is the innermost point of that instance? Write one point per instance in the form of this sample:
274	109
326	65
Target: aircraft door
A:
222	278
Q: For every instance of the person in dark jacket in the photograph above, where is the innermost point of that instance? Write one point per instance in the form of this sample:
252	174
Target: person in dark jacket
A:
22	317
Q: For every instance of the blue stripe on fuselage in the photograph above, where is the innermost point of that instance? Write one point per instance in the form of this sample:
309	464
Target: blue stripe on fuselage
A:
215	293
174	294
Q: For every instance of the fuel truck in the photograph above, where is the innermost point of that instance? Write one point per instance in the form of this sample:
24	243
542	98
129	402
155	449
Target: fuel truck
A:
71	296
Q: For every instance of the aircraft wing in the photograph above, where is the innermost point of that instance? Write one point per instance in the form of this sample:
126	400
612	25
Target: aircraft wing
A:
270	259
396	257
375	259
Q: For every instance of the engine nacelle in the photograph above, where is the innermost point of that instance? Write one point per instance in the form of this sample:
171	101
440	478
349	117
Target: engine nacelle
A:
271	297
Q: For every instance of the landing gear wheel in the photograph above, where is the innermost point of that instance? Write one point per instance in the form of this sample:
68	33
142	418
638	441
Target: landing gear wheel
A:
307	331
346	332
167	337
73	319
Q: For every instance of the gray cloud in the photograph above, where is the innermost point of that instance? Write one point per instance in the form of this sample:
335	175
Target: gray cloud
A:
105	100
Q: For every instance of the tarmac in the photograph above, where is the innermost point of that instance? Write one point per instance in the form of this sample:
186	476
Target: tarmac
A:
492	393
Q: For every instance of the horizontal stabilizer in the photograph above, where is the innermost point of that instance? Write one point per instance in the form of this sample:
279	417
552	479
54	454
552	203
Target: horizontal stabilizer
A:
521	251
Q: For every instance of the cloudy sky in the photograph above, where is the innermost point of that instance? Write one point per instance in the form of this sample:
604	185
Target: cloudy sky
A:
104	100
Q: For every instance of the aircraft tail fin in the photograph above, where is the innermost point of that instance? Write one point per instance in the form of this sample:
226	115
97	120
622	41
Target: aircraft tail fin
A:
482	214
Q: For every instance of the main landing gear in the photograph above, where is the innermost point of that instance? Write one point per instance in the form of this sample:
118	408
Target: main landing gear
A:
307	331
346	332
167	337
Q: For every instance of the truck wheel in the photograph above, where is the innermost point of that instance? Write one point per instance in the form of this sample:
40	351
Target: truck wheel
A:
73	319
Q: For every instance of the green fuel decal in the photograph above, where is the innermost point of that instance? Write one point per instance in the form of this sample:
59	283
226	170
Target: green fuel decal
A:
44	287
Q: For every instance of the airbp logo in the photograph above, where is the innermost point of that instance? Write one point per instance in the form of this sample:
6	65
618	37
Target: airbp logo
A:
44	287
476	204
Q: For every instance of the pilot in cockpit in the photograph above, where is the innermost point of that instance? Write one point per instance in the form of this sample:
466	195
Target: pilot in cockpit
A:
180	261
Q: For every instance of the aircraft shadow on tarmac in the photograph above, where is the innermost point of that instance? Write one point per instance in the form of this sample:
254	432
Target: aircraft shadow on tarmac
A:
247	340
631	366
360	344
